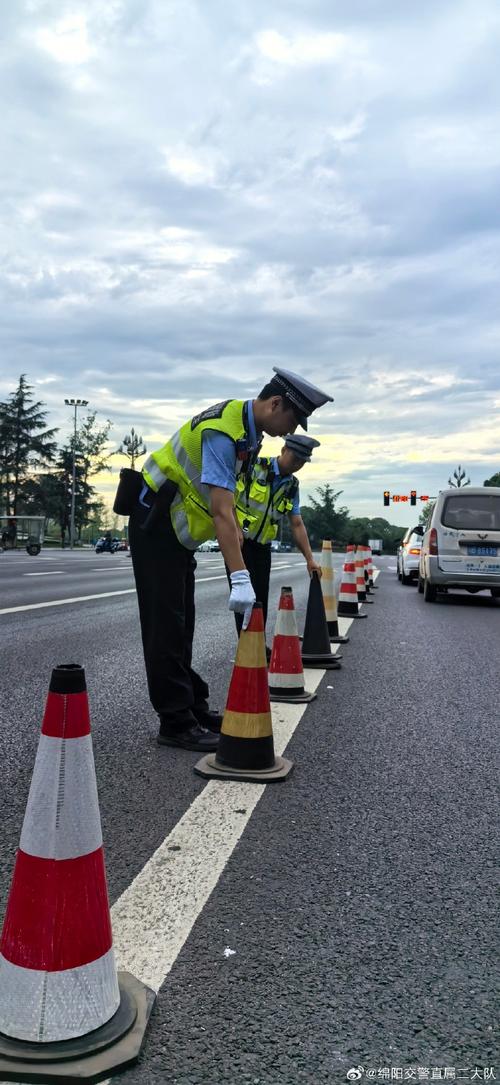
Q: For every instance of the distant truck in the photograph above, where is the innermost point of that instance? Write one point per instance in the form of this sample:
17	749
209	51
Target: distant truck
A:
375	545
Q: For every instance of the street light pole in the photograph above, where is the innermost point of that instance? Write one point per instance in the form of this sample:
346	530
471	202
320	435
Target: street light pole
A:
76	403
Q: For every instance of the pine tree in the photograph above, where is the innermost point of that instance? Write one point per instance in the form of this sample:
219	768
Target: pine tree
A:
25	444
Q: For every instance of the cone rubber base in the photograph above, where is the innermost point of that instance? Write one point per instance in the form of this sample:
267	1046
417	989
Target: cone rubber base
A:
339	640
292	698
208	768
108	1049
363	601
325	663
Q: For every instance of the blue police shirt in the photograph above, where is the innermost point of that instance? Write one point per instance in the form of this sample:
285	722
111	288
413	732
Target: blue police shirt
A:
218	455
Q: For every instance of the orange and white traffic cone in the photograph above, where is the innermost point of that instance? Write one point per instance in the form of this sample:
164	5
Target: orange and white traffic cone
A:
329	596
286	674
246	746
58	980
348	596
359	563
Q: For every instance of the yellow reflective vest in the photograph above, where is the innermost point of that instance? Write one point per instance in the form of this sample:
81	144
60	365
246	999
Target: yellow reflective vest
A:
180	461
258	509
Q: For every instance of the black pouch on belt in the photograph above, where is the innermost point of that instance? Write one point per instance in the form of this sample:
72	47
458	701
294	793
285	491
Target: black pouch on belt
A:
160	504
127	494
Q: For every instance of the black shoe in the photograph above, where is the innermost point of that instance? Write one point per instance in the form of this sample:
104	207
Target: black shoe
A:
194	738
210	720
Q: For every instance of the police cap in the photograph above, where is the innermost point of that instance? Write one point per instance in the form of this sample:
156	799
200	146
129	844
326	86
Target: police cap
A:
301	446
304	396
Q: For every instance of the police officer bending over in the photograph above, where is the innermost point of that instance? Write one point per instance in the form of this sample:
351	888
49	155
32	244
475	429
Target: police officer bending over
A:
187	496
262	501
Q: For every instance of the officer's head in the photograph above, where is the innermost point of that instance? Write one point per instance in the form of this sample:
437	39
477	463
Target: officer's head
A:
297	450
290	462
274	413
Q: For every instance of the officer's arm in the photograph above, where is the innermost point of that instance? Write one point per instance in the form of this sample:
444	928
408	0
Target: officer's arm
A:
301	539
226	528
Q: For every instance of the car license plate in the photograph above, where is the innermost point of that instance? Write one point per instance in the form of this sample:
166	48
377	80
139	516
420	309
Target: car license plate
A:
482	551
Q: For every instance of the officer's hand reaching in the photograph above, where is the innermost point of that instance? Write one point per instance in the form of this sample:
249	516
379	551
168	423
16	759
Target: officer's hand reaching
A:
242	595
313	567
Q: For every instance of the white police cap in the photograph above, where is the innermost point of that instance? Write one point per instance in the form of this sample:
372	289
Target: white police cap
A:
306	397
301	446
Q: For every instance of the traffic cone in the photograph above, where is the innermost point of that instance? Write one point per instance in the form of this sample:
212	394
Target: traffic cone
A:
348	597
246	747
366	551
316	651
371	569
329	597
286	675
359	563
65	1012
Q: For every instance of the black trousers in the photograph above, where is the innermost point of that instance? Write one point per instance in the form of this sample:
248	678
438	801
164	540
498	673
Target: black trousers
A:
257	558
164	577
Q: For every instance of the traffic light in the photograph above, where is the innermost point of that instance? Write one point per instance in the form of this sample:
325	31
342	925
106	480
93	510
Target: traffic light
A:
387	497
413	497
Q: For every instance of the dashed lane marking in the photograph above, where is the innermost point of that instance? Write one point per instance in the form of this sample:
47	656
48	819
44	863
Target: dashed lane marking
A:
49	572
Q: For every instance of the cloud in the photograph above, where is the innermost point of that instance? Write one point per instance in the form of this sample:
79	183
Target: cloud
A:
191	197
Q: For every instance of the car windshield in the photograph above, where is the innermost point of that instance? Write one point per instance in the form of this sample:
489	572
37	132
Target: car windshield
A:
472	512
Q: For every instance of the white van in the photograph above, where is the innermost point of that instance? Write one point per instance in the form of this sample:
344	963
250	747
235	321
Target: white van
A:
461	542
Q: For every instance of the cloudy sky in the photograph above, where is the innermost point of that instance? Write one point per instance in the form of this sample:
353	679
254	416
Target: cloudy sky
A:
194	191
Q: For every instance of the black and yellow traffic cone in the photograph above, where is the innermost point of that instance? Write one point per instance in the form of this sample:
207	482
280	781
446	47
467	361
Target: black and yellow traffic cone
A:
246	746
316	650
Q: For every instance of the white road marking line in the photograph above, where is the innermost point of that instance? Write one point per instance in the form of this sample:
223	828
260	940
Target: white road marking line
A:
154	916
97	595
156	913
65	602
49	572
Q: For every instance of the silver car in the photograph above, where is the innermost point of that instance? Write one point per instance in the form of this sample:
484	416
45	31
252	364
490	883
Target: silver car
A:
461	542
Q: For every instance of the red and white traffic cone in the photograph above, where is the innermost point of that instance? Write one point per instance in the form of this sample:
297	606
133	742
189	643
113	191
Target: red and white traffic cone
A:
348	596
329	596
366	569
371	569
246	745
286	674
359	563
58	978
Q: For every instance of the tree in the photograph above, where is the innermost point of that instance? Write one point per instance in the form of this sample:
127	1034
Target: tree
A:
459	477
25	444
493	481
132	446
322	519
51	494
426	512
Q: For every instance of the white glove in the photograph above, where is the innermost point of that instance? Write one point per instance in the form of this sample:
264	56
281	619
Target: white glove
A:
242	595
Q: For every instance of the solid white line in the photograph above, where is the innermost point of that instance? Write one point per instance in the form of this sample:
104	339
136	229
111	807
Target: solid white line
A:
154	916
64	602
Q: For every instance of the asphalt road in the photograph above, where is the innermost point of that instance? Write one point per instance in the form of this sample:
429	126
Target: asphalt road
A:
358	901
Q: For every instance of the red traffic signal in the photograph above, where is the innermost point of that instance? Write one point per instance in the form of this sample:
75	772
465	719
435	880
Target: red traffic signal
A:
413	497
387	497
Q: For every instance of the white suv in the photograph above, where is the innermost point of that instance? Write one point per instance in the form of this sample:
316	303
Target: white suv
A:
461	543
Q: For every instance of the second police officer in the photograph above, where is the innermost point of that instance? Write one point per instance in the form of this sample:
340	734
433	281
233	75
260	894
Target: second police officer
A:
263	499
